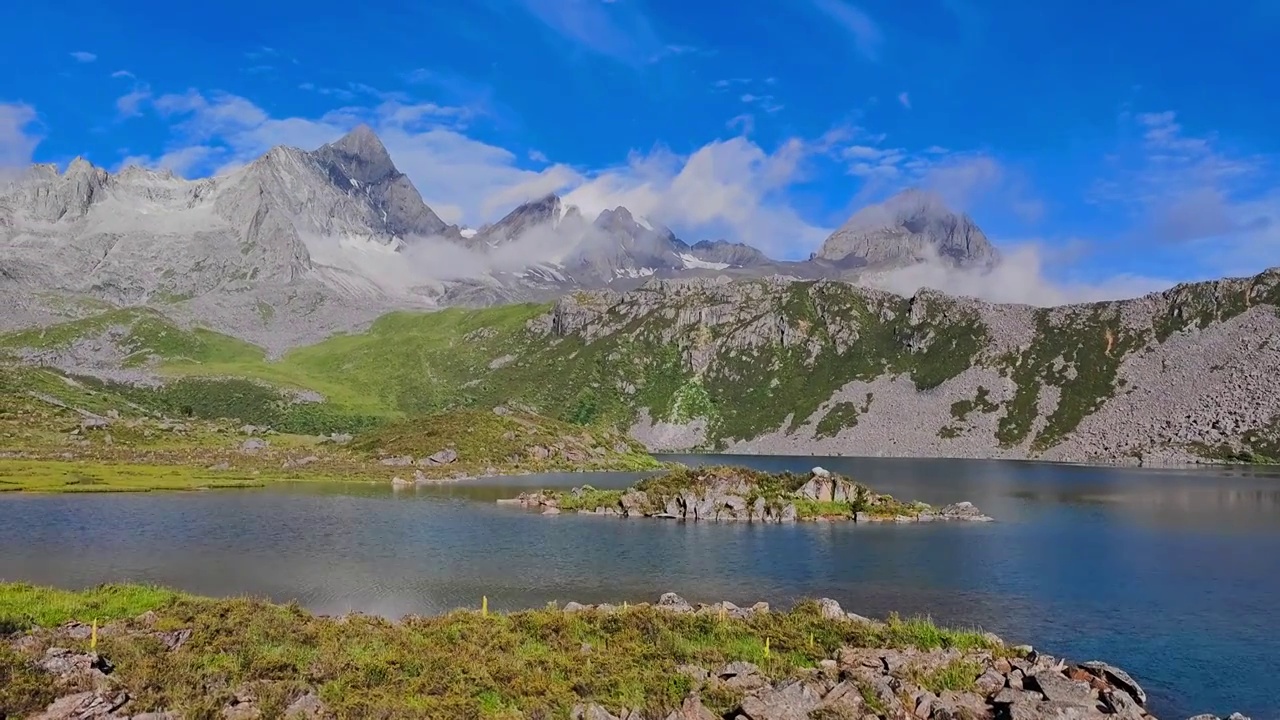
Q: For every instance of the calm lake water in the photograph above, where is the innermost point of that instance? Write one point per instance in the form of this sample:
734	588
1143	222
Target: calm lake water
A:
1172	575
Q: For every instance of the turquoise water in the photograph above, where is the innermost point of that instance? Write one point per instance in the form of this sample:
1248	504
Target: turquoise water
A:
1172	575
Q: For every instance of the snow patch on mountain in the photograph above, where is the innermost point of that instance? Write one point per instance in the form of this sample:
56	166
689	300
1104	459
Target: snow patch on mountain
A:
692	262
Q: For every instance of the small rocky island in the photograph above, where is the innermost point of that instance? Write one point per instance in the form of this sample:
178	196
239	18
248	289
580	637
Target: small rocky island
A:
733	494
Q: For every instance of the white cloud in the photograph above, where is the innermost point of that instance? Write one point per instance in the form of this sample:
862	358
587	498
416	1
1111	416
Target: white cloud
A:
84	56
18	139
728	188
182	161
1020	278
122	74
864	30
964	180
538	156
904	99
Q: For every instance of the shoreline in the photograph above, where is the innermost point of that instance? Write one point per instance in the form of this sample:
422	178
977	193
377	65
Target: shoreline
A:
126	651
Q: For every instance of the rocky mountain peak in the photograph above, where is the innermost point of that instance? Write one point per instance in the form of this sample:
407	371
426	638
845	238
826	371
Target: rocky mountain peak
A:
361	155
359	165
911	226
549	210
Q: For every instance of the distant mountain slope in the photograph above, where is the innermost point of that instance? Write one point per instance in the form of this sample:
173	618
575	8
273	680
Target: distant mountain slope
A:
771	365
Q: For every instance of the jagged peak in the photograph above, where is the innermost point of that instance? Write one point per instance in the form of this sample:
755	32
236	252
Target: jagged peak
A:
620	212
134	170
364	143
80	165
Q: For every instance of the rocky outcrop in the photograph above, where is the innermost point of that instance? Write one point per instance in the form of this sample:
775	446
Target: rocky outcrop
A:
741	495
856	682
912	226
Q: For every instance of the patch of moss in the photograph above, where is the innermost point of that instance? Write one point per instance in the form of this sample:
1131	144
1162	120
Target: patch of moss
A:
981	401
841	415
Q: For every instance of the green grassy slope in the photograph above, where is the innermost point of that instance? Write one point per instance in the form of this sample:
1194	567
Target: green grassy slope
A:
777	362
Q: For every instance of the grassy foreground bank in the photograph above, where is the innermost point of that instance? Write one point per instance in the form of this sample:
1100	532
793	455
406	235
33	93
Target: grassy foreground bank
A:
536	663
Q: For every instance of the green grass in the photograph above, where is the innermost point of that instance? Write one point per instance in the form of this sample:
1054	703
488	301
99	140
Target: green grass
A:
485	438
24	606
840	416
461	665
53	476
959	675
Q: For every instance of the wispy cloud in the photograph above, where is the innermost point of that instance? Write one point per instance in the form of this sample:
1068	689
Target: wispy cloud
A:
766	103
620	31
1023	276
904	100
130	104
84	56
864	30
964	180
1193	189
122	74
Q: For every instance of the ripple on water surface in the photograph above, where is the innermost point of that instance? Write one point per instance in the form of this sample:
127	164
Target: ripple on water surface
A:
1171	575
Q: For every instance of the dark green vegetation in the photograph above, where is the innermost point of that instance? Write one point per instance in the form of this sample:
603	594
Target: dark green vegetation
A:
462	665
841	415
1258	446
1079	353
962	409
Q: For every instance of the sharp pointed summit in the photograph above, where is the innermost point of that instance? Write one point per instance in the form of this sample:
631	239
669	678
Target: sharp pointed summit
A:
359	164
361	154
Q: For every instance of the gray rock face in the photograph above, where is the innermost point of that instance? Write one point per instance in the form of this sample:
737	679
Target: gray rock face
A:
360	162
1192	367
546	212
909	227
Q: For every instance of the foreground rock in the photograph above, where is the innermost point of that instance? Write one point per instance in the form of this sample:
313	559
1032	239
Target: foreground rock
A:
914	679
730	494
999	683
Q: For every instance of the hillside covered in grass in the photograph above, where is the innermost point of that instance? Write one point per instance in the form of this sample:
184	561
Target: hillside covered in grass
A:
503	438
766	365
64	433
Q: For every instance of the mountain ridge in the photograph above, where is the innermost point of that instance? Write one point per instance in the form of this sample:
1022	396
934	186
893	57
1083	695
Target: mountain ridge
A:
322	222
773	365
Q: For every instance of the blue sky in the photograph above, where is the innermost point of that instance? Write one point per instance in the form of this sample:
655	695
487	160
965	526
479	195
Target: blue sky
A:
1120	145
